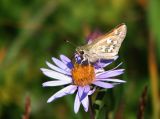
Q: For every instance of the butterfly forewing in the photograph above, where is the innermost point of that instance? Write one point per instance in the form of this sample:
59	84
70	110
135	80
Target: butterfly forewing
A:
107	46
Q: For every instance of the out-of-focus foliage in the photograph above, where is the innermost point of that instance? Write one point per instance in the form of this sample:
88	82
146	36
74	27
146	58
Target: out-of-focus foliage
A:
32	31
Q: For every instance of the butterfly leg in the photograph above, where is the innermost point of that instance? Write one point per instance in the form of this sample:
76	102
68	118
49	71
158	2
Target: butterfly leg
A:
84	59
99	62
89	62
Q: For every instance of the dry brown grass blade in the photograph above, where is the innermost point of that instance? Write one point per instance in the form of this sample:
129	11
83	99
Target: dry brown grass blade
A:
27	108
142	103
120	111
153	70
2	54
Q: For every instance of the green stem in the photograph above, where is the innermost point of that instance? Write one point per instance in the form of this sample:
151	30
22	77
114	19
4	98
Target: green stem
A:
91	111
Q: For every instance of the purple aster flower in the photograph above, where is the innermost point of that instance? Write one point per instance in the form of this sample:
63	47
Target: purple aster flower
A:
79	79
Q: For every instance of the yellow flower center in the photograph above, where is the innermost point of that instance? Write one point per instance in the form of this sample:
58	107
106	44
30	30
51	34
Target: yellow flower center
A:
83	74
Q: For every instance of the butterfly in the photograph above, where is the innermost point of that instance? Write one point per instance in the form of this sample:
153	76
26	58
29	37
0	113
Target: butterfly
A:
104	47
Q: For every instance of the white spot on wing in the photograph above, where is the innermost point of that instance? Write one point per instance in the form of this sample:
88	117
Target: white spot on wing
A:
109	50
111	46
116	32
103	49
109	41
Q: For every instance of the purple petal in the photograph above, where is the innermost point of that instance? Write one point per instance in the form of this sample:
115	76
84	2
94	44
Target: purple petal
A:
115	83
78	58
103	84
110	73
55	83
83	91
65	91
86	91
112	80
103	63
76	103
55	75
60	64
82	95
57	69
80	91
85	103
99	70
67	61
91	91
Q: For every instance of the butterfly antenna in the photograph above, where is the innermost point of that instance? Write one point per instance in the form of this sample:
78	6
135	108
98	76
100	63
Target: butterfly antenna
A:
72	44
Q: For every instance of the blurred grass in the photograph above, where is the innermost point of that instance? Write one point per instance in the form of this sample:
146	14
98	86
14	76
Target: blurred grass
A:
31	32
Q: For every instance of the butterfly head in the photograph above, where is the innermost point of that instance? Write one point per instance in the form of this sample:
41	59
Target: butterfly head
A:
80	51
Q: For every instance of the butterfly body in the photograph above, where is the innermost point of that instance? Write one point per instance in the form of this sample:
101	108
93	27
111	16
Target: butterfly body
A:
105	46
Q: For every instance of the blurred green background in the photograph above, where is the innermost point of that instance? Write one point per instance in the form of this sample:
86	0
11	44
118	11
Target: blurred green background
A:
32	31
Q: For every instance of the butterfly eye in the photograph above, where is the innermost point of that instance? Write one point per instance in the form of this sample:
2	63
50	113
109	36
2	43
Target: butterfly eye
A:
81	52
